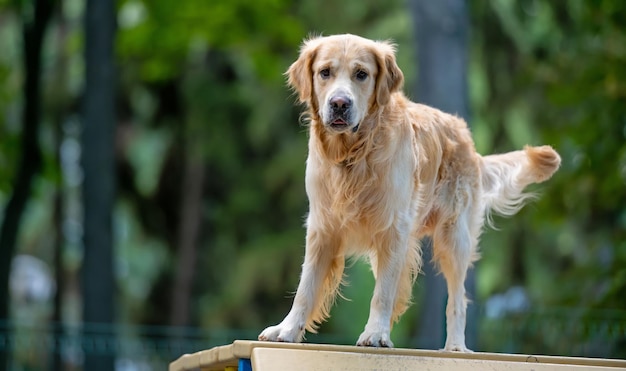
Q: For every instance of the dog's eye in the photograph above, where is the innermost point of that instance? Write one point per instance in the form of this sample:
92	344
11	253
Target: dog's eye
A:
325	73
360	75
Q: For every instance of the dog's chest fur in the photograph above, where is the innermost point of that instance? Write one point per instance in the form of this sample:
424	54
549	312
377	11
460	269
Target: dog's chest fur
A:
352	183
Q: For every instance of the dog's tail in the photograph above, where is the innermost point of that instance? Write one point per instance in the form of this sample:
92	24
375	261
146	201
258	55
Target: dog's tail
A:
505	176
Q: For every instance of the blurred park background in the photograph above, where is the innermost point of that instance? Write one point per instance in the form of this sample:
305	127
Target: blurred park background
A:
152	167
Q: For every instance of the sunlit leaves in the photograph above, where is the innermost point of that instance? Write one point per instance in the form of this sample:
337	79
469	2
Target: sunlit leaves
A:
160	34
572	85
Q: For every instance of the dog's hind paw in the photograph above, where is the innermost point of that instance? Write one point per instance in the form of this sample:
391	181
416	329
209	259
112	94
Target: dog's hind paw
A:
456	348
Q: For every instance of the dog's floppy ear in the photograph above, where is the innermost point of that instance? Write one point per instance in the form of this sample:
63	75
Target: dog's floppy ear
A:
300	73
390	77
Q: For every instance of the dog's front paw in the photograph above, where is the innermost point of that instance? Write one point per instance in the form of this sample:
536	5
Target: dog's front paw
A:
282	333
374	339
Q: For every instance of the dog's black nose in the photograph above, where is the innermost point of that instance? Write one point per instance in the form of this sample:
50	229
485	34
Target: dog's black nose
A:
340	103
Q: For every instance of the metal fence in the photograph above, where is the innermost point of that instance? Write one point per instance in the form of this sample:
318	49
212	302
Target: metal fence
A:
33	347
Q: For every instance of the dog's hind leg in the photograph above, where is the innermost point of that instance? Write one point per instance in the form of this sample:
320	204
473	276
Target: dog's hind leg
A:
455	242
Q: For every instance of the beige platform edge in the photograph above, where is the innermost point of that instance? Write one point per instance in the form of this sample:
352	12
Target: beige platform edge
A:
304	357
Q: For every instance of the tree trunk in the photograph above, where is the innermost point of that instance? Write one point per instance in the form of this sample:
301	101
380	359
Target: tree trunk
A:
60	111
441	31
188	232
98	151
30	159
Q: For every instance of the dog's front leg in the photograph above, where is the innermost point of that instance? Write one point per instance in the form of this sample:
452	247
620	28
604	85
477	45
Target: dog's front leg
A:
321	274
291	329
387	266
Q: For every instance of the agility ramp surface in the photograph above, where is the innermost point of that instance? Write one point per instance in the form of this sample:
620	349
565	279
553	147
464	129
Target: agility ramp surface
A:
244	355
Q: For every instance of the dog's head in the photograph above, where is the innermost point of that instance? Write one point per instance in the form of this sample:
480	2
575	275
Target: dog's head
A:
343	77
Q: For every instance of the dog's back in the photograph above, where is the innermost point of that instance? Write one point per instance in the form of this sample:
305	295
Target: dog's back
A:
497	182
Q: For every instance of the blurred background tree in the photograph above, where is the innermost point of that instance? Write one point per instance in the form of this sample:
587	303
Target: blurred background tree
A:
209	153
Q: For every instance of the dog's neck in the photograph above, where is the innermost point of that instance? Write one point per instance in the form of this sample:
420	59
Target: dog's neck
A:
343	149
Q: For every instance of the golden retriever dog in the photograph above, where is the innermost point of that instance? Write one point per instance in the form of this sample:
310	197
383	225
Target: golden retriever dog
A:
382	172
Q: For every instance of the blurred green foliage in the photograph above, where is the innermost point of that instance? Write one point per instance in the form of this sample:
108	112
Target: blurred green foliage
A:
203	79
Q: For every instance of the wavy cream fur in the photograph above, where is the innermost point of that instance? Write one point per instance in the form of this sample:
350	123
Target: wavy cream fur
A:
397	172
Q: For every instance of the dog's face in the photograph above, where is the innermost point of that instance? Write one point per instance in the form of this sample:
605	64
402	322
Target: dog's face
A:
342	78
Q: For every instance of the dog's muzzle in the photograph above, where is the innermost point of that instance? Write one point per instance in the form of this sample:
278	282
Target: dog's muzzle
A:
340	106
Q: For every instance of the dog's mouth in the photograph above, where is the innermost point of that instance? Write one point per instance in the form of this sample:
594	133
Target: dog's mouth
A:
339	124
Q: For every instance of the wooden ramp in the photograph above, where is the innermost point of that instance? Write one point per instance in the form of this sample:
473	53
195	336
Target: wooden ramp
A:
264	356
